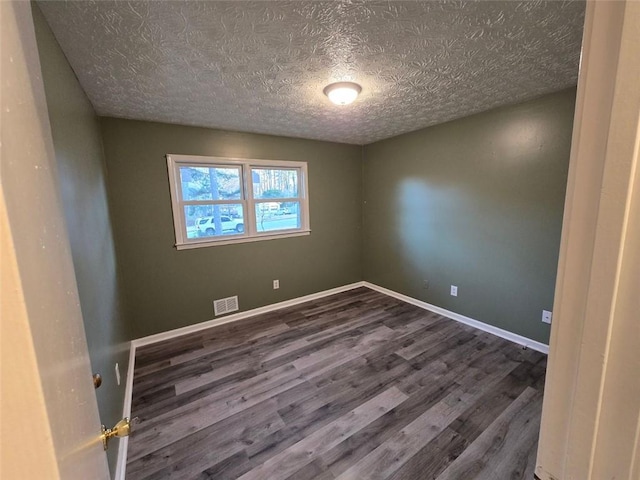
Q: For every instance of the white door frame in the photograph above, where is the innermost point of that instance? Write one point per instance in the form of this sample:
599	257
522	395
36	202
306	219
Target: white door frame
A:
590	425
50	424
591	413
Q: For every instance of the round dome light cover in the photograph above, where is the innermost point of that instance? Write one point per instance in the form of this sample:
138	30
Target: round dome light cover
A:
342	93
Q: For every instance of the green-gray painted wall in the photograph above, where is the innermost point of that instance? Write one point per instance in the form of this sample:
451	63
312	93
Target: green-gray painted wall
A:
77	142
166	288
476	203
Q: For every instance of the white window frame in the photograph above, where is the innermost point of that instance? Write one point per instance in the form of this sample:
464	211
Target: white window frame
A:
250	234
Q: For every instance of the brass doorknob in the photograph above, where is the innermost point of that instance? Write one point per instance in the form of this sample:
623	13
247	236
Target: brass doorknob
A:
97	380
121	429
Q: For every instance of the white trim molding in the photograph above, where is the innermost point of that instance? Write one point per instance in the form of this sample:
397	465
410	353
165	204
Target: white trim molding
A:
123	444
246	200
121	464
178	332
590	428
499	332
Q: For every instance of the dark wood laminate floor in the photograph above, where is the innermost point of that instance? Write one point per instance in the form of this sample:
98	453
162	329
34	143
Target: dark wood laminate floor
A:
357	385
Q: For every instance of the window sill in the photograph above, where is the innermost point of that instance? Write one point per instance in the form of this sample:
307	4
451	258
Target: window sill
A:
230	241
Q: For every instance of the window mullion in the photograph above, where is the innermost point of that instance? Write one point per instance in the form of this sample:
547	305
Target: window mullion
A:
245	208
278	200
251	217
211	202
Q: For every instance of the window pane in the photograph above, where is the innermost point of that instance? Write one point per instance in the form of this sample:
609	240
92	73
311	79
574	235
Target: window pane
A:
274	183
285	217
210	183
213	220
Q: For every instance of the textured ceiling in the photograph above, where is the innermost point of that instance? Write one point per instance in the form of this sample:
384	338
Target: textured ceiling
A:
260	66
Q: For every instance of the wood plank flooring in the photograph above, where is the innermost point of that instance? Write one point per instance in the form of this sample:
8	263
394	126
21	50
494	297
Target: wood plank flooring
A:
357	385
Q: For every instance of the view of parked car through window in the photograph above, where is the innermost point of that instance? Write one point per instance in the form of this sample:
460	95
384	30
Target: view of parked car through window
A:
279	218
207	225
238	199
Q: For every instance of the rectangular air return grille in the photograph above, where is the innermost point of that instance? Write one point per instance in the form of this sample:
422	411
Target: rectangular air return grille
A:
225	305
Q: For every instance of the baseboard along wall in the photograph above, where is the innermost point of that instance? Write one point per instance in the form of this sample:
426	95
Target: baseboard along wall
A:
178	332
499	332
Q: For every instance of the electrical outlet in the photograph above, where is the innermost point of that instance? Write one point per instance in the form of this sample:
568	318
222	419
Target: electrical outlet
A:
276	284
454	291
546	316
117	373
425	284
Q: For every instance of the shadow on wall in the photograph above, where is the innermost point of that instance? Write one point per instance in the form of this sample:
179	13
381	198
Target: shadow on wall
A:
451	235
424	221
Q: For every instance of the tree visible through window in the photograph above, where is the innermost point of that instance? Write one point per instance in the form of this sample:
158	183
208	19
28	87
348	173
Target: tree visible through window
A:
276	193
235	200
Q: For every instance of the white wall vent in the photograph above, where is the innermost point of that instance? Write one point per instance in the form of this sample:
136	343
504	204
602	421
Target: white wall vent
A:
225	305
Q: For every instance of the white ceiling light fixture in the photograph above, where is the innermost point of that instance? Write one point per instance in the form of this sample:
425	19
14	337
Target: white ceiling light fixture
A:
342	93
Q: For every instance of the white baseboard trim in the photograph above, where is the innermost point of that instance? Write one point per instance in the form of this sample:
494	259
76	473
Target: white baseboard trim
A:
121	464
513	337
159	337
123	443
122	450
